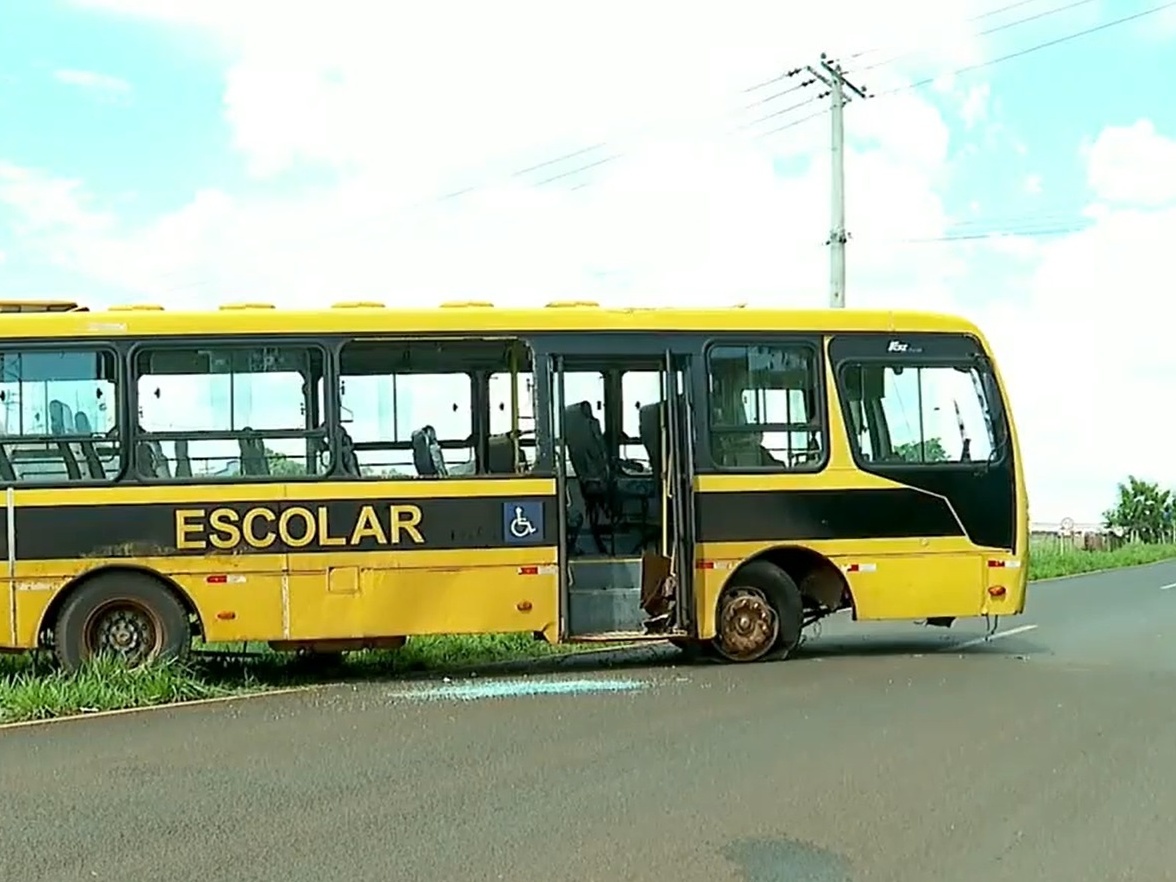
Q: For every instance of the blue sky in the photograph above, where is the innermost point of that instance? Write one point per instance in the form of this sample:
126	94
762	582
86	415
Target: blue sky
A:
149	151
236	134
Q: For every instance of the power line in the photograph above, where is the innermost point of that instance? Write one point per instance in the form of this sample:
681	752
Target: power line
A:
926	81
994	30
880	64
789	125
1034	233
1036	48
1008	7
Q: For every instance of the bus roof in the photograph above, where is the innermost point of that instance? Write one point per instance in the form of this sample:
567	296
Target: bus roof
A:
474	317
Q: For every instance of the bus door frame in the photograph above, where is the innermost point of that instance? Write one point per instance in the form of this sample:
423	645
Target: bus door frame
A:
677	490
678	483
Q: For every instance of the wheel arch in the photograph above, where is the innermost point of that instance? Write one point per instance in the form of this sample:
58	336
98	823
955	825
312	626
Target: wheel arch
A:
822	584
53	610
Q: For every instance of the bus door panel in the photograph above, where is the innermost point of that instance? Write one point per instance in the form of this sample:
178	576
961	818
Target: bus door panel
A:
620	531
679	486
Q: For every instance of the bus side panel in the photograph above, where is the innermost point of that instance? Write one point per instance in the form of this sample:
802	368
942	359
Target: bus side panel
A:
904	579
466	591
919	586
8	637
238	597
913	559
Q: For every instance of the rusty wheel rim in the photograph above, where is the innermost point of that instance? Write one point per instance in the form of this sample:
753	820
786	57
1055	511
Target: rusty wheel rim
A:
124	629
748	625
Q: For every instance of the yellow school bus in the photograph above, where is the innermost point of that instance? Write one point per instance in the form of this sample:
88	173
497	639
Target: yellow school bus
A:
354	476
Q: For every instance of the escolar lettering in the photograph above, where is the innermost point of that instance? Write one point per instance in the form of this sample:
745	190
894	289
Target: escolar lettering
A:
295	527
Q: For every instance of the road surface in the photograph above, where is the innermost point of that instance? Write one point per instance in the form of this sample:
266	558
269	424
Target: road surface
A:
882	753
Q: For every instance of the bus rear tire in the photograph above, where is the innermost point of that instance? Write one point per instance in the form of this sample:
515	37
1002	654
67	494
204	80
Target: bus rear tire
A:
760	614
129	615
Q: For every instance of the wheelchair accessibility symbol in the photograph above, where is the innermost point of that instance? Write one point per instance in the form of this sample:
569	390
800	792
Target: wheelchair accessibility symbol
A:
522	523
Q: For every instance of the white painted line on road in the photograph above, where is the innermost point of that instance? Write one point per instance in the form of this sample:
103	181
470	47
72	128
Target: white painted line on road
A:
1168	587
979	640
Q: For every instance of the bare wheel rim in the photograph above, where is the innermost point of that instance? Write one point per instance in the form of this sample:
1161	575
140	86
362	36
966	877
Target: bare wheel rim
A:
748	625
125	629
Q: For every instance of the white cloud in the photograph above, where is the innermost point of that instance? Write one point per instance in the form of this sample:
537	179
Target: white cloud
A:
109	87
975	109
403	108
1033	185
41	203
402	114
1088	353
1133	165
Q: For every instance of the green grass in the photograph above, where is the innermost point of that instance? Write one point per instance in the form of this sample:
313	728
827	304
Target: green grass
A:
1048	561
30	694
31	689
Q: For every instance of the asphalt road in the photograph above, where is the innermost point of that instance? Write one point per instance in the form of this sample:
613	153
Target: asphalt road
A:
881	753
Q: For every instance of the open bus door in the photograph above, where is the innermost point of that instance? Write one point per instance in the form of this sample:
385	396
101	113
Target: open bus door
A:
626	529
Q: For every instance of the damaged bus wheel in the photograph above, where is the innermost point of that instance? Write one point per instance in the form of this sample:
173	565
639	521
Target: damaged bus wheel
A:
760	614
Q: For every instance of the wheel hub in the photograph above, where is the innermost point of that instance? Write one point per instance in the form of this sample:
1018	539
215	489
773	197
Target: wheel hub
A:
124	631
748	625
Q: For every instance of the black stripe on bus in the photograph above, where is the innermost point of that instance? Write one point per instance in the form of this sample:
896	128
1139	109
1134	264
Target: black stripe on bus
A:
796	515
279	526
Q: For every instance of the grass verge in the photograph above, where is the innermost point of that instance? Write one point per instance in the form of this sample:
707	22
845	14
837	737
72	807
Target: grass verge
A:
1051	562
27	693
30	689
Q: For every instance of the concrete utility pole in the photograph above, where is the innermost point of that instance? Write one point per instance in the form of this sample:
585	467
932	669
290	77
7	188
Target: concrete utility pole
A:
841	91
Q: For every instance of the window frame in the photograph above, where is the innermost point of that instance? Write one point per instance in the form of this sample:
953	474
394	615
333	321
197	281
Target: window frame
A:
173	344
992	395
816	346
21	345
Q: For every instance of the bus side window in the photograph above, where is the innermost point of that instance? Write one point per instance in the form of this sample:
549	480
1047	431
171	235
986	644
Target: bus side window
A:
230	412
406	414
763	408
639	389
920	415
503	457
59	411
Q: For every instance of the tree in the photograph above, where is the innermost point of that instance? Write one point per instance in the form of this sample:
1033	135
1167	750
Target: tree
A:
285	466
1143	511
930	450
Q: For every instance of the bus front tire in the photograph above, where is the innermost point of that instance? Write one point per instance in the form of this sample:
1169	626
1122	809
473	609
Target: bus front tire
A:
129	615
760	614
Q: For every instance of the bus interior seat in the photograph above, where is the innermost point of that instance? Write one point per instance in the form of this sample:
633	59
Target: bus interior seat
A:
60	416
649	419
72	470
348	458
183	459
500	459
587	449
254	462
427	455
89	452
7	472
149	459
605	491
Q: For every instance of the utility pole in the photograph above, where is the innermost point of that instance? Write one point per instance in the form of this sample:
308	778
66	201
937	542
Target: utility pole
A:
841	91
